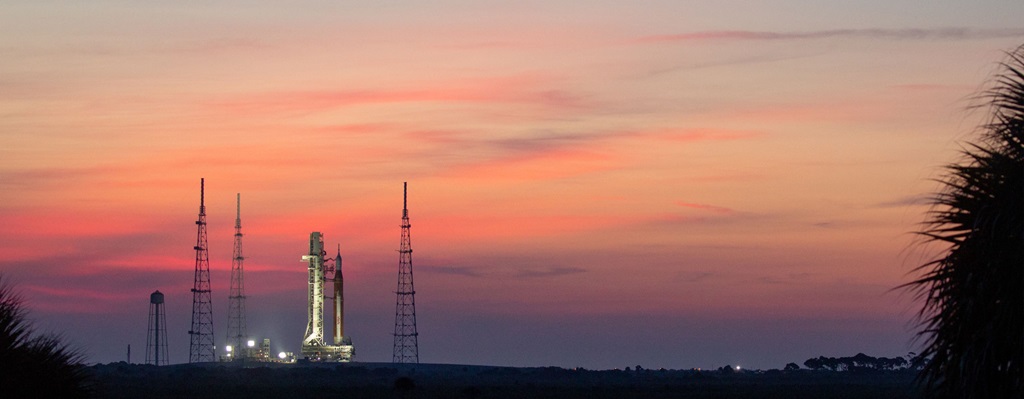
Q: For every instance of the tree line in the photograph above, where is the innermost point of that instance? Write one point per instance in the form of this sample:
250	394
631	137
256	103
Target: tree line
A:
862	362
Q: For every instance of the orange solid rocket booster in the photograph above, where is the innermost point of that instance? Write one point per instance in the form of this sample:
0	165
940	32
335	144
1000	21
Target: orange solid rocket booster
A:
339	301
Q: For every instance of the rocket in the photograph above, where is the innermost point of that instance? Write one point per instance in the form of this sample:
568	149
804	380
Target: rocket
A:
339	301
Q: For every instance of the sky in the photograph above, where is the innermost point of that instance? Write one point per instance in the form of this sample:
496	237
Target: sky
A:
599	184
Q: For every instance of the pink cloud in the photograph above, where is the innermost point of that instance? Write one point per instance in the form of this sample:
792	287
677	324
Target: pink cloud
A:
705	207
691	135
77	300
516	89
541	165
487	228
51	224
846	110
561	156
358	128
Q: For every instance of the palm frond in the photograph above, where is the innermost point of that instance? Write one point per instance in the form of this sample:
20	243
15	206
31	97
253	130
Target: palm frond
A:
34	365
972	319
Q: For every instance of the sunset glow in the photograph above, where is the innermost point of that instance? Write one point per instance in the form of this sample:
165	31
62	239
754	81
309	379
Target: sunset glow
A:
698	183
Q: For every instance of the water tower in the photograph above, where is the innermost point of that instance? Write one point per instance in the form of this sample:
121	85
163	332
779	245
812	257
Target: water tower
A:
156	341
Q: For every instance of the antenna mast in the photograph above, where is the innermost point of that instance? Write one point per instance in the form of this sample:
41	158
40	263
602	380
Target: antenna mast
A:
236	298
201	334
406	349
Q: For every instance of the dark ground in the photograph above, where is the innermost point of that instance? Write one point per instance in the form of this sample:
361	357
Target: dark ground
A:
385	380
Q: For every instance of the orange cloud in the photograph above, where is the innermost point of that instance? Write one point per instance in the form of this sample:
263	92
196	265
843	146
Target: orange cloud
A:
516	89
544	165
704	207
561	156
488	228
691	135
51	224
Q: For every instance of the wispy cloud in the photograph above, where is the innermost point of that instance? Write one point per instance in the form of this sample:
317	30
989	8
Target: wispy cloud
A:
927	87
453	270
499	90
553	271
910	200
504	271
706	207
721	216
561	155
790	278
898	34
693	277
538	165
691	135
15	179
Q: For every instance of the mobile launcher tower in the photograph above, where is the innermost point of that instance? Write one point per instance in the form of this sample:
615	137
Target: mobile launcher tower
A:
313	346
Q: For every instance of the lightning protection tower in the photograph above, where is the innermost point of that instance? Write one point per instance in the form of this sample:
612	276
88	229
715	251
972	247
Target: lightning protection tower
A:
406	349
201	347
236	298
156	339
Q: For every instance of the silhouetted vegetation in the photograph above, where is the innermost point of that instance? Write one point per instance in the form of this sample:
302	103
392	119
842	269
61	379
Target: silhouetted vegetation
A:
973	304
33	365
857	363
383	380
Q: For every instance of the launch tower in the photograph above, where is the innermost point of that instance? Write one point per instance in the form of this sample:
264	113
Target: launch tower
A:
201	348
406	349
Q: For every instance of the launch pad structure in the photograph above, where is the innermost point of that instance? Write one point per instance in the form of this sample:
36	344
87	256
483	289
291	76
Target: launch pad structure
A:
314	347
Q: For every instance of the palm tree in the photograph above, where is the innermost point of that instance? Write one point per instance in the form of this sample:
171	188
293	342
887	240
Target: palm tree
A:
35	365
973	294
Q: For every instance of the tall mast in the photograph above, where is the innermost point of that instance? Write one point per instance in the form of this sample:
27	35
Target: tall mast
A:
201	348
236	298
406	348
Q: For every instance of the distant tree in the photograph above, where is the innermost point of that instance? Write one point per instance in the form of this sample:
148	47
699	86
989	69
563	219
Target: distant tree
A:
35	365
791	367
861	360
971	320
858	362
917	362
834	364
814	364
894	363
